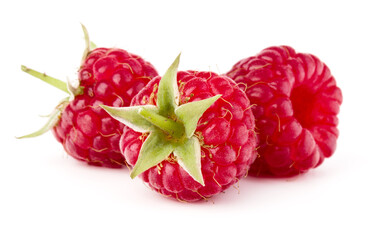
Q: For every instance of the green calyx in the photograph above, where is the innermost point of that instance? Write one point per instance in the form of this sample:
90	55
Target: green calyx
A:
175	130
66	87
171	127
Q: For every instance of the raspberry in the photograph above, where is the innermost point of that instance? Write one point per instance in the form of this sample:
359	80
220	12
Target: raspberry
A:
295	102
224	134
109	76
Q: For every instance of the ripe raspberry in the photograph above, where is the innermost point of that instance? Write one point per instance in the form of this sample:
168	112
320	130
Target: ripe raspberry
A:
295	102
109	76
224	134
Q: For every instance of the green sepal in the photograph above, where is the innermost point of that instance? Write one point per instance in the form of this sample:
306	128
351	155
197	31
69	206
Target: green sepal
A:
52	121
48	79
93	45
168	93
130	116
188	156
191	112
153	151
87	44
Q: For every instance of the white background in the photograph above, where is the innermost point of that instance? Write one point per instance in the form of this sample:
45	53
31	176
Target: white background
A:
47	195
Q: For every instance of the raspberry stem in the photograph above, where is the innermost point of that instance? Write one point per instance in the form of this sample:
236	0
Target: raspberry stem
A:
48	79
172	128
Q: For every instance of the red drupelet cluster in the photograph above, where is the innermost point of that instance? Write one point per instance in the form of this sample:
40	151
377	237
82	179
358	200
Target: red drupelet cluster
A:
295	102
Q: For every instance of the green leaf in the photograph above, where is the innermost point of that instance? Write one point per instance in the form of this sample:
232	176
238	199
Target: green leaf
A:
130	116
168	94
188	156
191	112
52	121
48	79
155	149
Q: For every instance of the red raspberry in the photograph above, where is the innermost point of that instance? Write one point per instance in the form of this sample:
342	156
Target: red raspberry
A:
225	133
295	102
109	76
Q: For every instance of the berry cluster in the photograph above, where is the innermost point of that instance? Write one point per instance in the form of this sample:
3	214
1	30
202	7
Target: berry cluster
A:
190	134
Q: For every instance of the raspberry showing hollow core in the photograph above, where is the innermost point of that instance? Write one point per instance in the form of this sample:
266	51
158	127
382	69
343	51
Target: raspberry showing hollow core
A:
295	102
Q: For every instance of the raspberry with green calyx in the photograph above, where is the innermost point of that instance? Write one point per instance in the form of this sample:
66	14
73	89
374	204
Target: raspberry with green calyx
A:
189	135
106	76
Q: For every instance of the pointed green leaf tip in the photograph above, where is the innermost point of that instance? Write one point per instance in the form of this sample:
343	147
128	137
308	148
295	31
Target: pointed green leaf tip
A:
93	45
168	94
171	127
54	117
189	158
87	43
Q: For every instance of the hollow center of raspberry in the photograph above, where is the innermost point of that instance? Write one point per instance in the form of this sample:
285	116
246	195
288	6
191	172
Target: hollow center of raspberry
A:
303	101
